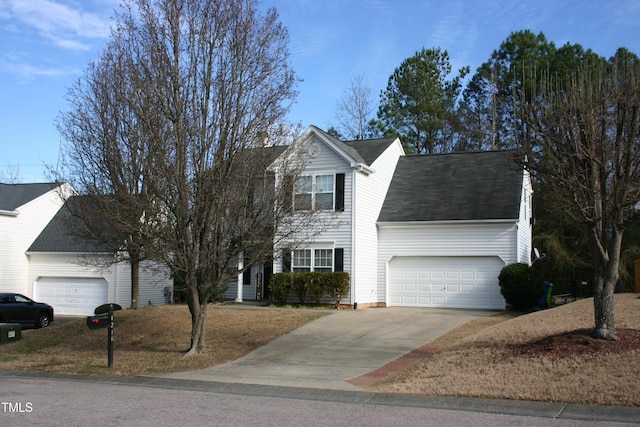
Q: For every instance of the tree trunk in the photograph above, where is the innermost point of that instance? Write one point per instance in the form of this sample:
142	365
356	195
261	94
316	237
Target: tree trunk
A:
198	330
603	305
606	256
134	261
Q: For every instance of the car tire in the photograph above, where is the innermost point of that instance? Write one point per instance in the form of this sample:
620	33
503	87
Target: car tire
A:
43	321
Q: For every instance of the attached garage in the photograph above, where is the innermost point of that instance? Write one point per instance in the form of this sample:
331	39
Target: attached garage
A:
448	281
70	295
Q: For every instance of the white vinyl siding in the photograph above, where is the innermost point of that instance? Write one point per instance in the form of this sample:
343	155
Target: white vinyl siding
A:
456	240
153	278
369	194
337	225
18	233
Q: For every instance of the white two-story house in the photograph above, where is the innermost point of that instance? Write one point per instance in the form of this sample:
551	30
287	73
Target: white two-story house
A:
420	231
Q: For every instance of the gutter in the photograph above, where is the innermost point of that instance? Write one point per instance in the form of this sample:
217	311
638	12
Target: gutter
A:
359	167
445	222
9	213
66	253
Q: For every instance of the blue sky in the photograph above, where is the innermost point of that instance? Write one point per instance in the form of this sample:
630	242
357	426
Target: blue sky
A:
46	44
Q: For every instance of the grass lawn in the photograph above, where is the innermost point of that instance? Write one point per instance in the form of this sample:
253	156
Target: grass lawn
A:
542	356
536	356
149	340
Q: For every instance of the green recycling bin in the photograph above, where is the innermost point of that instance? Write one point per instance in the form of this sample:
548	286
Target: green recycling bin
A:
10	332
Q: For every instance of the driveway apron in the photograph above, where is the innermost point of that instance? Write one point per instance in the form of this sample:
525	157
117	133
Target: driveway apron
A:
343	345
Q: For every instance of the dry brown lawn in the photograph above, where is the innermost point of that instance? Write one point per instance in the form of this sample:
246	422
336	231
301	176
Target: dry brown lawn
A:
516	358
150	340
505	356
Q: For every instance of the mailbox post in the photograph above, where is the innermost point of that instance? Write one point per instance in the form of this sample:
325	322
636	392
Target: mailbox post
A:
101	321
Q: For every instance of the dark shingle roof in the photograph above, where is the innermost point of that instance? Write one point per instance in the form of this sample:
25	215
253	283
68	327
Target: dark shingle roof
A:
12	196
370	149
458	186
67	233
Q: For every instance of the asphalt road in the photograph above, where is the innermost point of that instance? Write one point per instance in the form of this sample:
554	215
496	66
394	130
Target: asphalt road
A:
40	400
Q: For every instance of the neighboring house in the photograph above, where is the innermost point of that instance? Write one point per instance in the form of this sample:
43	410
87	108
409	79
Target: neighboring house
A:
44	258
419	231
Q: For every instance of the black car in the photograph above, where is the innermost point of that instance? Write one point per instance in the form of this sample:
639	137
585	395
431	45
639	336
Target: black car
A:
16	308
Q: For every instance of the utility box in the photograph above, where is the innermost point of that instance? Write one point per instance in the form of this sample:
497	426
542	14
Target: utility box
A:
10	332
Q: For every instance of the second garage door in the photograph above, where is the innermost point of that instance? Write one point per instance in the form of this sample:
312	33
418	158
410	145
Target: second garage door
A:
71	296
453	282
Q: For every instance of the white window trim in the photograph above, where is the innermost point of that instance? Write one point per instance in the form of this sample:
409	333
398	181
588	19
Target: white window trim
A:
313	249
314	191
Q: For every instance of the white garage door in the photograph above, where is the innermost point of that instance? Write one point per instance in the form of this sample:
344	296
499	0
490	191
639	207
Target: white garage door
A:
454	282
71	296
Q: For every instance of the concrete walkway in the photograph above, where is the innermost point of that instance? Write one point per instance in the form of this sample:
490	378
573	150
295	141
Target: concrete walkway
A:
344	345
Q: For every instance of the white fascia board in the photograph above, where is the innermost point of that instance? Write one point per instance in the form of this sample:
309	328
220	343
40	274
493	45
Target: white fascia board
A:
9	213
391	224
67	253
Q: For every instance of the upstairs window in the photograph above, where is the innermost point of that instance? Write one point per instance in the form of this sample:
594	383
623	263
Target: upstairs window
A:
318	192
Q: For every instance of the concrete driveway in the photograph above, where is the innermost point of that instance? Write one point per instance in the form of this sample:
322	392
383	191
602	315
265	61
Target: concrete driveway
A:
338	347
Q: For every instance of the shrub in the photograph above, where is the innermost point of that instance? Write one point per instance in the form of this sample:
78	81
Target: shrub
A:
337	285
300	285
314	285
317	289
280	287
521	285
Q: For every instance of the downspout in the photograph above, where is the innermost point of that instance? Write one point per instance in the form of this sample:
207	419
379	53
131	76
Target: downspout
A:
240	278
116	281
353	238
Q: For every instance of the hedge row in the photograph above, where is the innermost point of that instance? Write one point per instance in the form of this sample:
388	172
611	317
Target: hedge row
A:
312	285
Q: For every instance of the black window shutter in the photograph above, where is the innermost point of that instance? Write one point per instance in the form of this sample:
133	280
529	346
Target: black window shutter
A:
286	261
288	194
338	259
246	277
340	192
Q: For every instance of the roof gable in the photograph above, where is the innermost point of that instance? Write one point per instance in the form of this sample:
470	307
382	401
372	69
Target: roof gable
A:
66	233
358	152
12	196
370	149
464	186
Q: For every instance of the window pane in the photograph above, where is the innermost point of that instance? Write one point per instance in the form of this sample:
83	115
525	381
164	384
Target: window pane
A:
302	196
323	260
324	201
324	183
302	202
324	192
303	184
302	259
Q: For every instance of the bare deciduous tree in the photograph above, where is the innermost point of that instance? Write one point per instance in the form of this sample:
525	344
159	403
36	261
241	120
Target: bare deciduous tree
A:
216	83
589	156
11	175
354	109
106	157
